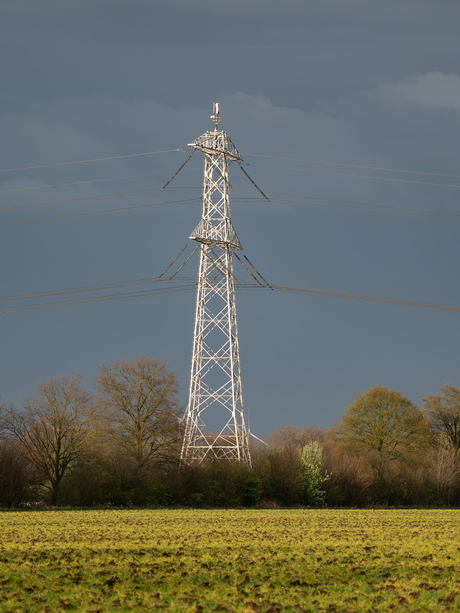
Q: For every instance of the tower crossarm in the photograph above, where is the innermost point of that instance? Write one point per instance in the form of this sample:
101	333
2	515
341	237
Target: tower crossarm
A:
217	144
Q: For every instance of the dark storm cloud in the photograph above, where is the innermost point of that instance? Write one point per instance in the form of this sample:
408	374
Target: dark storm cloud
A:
359	82
182	53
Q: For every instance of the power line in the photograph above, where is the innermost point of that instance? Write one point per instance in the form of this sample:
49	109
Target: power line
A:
114	157
416	172
374	209
185	284
342	174
347	206
92	213
21	189
308	201
81	288
182	150
72	200
84	198
97	299
362	297
350	206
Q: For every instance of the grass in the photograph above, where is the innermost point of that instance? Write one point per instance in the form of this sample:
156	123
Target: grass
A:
230	560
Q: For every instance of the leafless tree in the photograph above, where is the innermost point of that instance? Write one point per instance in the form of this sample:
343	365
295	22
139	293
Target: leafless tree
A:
294	437
138	404
443	412
54	427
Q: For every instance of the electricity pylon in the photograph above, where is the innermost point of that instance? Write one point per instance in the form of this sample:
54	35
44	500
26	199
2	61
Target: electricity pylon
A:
215	424
216	395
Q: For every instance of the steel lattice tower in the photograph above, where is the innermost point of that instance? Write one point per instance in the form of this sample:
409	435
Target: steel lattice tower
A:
215	384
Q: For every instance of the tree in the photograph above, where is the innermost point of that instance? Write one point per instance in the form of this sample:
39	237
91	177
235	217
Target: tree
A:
443	412
14	474
54	427
293	437
383	425
313	493
280	472
138	400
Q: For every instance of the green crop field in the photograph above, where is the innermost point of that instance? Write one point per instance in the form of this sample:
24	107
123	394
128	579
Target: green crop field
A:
233	560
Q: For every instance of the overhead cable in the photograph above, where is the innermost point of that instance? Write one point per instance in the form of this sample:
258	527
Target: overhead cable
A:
184	284
347	206
342	174
21	189
71	200
113	157
273	157
369	209
92	213
362	297
97	299
415	172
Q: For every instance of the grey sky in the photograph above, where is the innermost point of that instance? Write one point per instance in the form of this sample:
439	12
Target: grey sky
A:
362	83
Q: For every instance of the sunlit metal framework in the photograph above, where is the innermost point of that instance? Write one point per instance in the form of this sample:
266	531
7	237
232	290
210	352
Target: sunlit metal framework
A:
215	384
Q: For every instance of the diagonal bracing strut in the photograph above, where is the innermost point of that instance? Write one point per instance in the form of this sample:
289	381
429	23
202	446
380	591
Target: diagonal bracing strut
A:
252	265
243	264
178	171
254	183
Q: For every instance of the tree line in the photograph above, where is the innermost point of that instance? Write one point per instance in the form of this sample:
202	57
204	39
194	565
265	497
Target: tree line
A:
120	446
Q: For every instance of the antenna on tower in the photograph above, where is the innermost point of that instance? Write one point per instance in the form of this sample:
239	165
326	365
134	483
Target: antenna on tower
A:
215	424
216	117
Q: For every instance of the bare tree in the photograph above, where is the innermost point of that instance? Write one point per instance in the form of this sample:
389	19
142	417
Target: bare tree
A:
443	412
138	403
4	411
54	427
351	476
294	437
14	476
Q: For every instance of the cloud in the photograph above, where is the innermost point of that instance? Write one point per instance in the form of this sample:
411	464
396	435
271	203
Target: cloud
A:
430	90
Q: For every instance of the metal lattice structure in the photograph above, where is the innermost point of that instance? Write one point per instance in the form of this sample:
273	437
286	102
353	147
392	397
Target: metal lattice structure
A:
214	421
